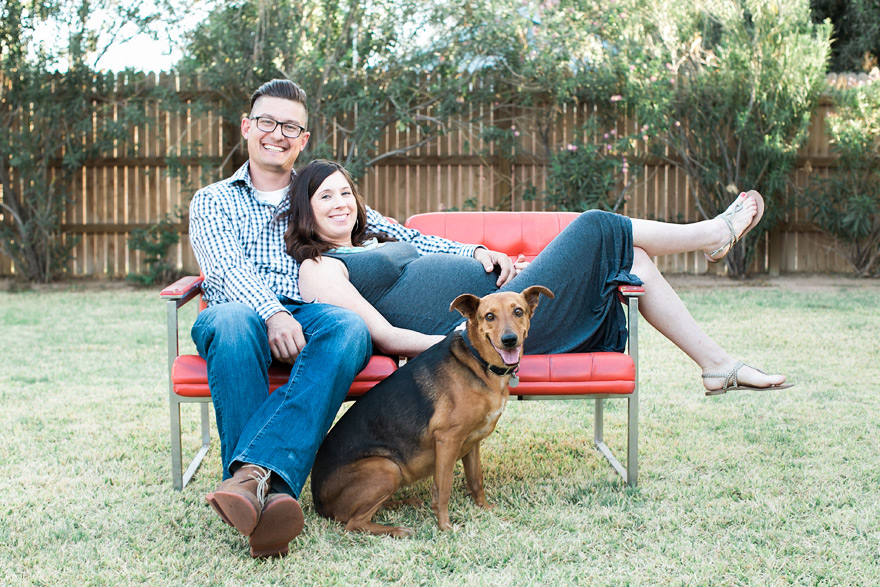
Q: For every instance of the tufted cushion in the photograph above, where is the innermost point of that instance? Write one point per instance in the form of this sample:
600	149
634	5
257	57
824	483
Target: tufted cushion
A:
513	233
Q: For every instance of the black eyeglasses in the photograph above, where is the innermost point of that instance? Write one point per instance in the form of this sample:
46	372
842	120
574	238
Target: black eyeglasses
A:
288	129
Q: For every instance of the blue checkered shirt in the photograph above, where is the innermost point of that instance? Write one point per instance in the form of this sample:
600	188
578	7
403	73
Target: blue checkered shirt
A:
239	245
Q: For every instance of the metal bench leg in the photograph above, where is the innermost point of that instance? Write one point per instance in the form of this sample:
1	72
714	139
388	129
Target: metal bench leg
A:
632	417
598	433
630	473
206	445
632	440
176	449
179	480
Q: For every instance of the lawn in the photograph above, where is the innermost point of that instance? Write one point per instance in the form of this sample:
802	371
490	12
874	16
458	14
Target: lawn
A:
776	488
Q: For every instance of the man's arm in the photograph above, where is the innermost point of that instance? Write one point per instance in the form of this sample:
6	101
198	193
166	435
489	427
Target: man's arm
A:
427	244
228	270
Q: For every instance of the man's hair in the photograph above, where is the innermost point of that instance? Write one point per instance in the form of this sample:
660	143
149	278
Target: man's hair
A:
280	88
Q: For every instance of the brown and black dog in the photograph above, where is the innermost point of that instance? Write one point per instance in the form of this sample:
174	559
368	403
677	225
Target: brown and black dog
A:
427	415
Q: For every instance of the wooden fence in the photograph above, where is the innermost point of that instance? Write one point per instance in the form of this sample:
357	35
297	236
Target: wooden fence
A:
114	194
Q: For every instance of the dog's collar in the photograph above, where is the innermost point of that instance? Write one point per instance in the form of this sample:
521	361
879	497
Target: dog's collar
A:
496	370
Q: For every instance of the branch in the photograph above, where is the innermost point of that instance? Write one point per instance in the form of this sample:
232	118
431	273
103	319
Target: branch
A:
400	151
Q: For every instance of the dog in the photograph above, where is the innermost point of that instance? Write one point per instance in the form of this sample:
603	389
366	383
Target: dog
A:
424	417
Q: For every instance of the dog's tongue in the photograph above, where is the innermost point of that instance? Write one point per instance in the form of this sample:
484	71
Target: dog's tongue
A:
510	357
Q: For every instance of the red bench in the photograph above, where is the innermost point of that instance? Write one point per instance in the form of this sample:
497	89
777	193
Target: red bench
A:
597	376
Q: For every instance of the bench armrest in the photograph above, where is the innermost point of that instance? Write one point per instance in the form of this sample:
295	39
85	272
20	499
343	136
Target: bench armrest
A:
185	287
630	291
175	296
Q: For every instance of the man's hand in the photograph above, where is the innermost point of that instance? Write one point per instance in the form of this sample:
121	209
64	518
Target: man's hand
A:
286	338
490	259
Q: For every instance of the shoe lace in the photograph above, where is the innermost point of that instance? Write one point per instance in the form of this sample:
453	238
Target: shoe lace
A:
261	476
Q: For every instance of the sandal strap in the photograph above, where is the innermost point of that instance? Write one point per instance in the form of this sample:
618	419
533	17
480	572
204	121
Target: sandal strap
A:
730	377
727	217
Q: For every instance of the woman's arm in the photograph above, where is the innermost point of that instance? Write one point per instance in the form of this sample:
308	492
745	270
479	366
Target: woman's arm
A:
326	280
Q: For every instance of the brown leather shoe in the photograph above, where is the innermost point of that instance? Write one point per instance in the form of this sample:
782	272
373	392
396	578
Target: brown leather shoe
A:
281	521
240	499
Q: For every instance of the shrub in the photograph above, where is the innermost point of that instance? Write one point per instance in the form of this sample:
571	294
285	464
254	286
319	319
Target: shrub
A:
846	204
155	243
725	91
589	172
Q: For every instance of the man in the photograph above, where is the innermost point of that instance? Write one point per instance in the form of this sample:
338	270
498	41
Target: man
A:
268	441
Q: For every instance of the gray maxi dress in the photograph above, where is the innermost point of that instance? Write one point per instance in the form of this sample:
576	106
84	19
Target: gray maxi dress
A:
582	266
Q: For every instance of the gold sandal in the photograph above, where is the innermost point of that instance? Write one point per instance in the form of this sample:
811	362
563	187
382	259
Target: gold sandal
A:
731	384
727	217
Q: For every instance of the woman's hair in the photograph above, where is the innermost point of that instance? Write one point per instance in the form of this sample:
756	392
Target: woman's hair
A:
301	238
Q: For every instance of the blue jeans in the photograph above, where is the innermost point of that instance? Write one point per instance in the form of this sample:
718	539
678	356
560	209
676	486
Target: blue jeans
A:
280	431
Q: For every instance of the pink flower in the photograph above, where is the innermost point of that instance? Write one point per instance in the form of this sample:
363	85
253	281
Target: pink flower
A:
616	98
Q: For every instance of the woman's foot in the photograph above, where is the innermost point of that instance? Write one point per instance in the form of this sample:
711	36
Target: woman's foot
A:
727	377
740	217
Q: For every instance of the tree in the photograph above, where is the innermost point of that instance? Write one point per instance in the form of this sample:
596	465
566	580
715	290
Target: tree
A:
352	57
533	72
856	35
50	124
846	204
725	92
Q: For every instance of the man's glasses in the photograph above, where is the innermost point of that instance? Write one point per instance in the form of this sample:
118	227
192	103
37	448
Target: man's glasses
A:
288	129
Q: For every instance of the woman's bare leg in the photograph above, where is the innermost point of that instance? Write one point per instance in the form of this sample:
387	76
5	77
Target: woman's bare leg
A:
664	238
665	311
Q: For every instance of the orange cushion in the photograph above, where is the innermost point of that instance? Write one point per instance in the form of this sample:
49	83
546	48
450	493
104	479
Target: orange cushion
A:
563	374
513	233
190	375
576	373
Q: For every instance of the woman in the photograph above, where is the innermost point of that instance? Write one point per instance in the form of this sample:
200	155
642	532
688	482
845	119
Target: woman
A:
401	282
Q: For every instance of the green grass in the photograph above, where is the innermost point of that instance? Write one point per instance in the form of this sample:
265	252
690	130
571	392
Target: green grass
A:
777	488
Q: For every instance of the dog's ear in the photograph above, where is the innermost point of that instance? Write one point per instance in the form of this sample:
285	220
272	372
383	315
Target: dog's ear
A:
531	294
467	304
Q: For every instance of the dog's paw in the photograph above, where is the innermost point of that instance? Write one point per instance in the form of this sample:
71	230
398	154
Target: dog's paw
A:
401	532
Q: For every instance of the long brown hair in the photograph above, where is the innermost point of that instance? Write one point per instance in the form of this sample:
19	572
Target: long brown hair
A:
301	237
